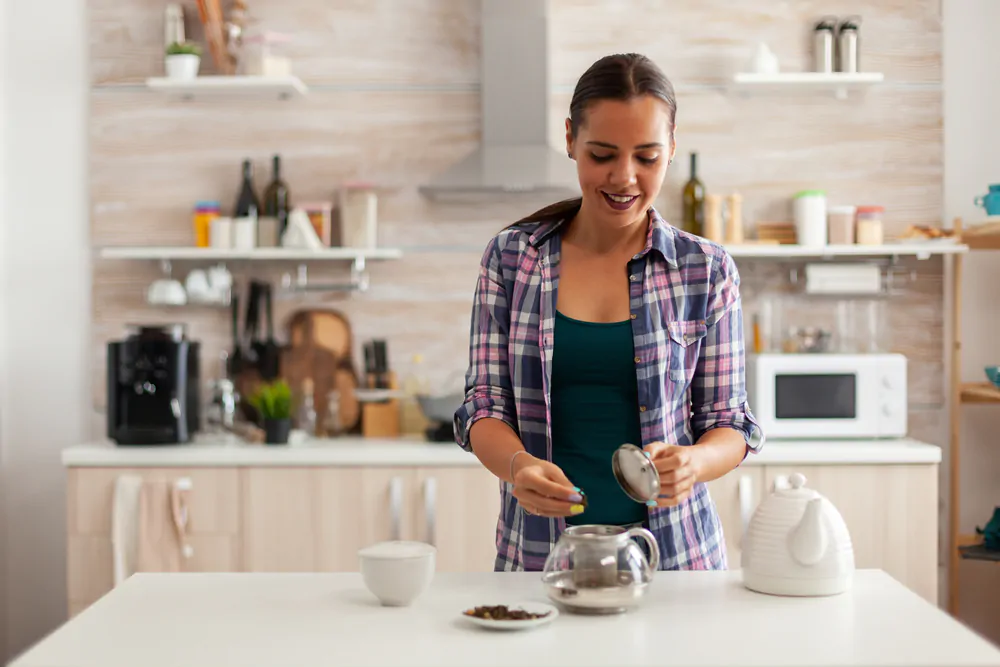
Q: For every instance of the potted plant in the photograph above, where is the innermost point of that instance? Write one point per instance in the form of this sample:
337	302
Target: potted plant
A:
183	60
273	402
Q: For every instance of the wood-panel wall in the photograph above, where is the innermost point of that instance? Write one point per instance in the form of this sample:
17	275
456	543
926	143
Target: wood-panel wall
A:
395	100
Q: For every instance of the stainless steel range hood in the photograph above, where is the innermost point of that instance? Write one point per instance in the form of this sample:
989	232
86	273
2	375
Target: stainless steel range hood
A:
514	155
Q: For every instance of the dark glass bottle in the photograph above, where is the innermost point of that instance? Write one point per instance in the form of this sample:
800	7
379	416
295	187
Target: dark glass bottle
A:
694	201
247	204
277	200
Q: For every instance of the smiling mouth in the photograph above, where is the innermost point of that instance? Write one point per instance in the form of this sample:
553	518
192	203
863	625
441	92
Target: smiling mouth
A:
619	202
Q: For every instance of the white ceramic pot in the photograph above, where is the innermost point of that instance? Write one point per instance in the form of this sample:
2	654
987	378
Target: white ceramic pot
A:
397	573
183	66
797	544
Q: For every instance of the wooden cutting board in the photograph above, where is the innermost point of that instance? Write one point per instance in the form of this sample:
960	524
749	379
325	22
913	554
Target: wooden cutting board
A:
319	347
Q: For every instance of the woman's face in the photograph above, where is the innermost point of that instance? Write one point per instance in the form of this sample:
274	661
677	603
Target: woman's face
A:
622	150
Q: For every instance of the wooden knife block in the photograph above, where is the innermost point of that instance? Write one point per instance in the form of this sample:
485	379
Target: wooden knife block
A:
380	420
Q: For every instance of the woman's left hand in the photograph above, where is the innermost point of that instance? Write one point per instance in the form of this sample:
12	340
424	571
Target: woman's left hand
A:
677	472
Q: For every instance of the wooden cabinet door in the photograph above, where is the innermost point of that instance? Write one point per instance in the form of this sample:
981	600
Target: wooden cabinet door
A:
736	496
457	511
891	512
316	519
362	506
213	507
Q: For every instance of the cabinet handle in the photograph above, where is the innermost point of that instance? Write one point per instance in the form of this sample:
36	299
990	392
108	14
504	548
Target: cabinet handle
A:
395	508
745	489
430	509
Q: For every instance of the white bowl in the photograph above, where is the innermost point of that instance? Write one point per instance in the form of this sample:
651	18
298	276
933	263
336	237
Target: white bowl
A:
397	573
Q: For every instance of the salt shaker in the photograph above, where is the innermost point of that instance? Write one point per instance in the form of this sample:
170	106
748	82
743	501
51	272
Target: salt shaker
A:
824	40
847	45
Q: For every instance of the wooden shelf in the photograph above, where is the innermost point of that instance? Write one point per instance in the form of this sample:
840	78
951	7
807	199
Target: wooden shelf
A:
168	253
920	250
979	392
838	83
983	236
979	552
280	86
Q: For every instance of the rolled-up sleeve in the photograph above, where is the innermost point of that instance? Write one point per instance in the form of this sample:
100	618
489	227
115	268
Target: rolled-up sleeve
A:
718	388
488	391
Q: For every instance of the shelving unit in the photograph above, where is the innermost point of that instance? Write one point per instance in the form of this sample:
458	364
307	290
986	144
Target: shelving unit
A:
284	87
180	253
981	237
839	83
358	257
919	250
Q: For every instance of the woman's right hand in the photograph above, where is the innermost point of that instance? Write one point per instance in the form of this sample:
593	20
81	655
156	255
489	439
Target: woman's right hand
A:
542	489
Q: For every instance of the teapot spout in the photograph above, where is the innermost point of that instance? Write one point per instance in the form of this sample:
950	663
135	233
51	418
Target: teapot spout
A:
809	538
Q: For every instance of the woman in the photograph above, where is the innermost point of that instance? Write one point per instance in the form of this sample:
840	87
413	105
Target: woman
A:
596	323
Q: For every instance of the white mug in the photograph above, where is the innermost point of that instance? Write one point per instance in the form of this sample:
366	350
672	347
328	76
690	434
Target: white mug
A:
220	233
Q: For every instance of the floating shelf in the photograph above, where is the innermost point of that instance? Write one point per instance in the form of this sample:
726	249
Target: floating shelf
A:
984	235
920	250
167	253
283	87
979	392
837	82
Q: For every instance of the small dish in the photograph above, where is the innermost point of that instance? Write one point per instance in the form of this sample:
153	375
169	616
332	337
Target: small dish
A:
550	614
377	395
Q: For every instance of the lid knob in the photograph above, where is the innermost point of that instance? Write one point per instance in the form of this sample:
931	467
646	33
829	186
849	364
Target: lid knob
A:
797	480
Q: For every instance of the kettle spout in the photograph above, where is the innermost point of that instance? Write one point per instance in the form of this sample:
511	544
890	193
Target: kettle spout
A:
809	538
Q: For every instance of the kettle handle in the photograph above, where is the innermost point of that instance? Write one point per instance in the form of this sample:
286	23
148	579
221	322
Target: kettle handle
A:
654	548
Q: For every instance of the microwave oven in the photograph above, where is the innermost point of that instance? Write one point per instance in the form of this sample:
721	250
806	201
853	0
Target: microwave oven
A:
828	395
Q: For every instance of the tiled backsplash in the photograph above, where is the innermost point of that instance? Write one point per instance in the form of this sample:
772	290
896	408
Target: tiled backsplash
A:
395	100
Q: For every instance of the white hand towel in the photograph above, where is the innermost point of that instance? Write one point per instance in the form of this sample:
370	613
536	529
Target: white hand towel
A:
125	526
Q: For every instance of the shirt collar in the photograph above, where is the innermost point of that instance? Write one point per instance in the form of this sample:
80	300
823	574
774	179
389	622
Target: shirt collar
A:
660	236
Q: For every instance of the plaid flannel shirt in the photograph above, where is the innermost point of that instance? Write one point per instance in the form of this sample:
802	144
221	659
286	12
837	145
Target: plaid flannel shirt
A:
687	325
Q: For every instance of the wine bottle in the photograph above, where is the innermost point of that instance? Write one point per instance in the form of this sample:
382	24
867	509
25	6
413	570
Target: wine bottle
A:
247	204
694	201
277	203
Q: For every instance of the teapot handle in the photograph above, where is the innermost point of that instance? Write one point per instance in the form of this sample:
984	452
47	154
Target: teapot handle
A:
654	548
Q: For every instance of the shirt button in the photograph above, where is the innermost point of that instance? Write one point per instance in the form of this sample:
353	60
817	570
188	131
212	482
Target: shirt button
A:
633	316
642	408
632	277
637	360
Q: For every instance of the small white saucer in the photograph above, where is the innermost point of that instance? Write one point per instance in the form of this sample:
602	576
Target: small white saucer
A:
530	607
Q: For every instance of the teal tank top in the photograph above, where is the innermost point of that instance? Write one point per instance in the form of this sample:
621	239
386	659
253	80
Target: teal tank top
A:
595	408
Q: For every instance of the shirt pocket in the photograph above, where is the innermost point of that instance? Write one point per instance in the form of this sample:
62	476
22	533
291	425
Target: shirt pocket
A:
684	347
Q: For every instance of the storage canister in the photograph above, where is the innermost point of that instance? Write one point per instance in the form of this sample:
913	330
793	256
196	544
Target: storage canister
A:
824	44
809	214
358	215
869	225
204	213
841	225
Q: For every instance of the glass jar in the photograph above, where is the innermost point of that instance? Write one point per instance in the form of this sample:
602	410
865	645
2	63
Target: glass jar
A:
840	225
869	225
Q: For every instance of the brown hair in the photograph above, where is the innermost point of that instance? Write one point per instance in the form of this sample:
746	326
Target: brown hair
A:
622	76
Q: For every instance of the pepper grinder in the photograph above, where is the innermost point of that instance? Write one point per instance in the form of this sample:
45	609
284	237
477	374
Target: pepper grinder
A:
713	218
847	45
734	224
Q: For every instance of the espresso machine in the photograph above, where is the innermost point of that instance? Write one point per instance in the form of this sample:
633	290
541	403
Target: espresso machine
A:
153	386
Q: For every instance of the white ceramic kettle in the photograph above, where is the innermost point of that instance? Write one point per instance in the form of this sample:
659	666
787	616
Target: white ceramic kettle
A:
797	544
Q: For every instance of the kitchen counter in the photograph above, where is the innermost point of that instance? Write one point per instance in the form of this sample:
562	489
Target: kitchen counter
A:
415	452
265	620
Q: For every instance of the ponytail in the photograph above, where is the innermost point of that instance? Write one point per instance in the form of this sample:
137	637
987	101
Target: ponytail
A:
561	210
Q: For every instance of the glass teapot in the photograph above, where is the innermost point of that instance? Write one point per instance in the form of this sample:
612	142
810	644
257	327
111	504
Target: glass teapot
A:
600	569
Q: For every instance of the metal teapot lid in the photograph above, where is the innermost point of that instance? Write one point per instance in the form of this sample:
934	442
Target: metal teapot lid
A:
635	473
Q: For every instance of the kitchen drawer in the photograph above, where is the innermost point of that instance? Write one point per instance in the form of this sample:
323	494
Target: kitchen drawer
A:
213	502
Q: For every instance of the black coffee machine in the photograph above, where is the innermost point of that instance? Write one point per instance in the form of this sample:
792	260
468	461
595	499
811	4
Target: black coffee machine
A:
153	386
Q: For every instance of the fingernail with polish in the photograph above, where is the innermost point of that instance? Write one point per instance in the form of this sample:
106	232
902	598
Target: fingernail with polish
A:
576	509
650	503
575	498
577	489
648	455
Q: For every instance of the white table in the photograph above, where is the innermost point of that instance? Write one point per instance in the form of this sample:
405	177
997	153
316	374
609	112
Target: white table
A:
689	618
